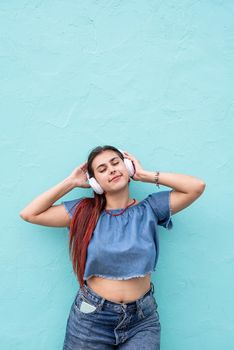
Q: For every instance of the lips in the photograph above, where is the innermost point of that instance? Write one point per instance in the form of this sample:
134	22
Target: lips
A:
116	177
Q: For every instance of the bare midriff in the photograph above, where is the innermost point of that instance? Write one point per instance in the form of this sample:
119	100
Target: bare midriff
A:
120	291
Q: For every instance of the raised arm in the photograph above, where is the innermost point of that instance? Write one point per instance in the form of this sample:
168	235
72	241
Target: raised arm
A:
41	210
186	188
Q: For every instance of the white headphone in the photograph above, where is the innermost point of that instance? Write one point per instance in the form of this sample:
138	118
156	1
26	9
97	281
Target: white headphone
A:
95	185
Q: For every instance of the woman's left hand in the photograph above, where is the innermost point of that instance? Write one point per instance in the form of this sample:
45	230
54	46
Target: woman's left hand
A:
138	168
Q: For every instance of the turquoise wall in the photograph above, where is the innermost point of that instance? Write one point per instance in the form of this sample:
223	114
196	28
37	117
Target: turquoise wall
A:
154	78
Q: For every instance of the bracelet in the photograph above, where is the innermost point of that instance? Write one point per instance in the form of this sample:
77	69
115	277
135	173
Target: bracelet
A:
156	178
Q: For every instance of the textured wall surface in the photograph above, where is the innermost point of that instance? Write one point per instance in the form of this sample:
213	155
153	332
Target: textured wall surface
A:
154	78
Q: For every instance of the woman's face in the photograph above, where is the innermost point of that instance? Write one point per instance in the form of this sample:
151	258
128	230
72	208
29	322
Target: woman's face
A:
108	165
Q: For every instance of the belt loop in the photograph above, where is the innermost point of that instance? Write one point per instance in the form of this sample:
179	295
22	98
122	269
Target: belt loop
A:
139	309
152	286
101	303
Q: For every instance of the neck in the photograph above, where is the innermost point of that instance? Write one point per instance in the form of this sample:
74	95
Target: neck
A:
118	199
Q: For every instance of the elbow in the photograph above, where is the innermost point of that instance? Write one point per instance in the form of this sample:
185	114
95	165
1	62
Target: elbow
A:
200	187
23	216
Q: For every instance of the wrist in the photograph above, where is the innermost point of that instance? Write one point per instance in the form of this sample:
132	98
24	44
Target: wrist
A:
150	176
144	176
71	182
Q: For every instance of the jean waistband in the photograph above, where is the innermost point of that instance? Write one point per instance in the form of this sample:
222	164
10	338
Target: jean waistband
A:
90	293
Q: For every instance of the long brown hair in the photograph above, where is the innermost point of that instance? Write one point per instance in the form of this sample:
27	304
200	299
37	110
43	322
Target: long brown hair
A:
85	219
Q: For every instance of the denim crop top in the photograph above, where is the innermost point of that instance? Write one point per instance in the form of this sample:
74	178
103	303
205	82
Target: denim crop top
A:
126	246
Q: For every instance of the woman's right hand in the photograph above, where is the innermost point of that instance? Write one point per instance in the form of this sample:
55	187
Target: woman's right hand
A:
79	176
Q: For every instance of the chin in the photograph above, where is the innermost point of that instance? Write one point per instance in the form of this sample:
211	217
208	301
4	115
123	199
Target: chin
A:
118	187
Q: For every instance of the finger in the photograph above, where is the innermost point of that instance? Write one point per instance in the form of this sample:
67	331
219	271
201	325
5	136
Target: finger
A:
87	185
128	156
83	166
84	163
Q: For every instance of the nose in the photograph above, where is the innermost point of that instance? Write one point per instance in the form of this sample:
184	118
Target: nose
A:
112	170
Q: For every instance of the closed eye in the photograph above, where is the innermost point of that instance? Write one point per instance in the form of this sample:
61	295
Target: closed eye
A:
105	169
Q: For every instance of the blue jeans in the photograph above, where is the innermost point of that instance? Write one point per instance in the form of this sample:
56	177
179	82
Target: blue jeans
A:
98	323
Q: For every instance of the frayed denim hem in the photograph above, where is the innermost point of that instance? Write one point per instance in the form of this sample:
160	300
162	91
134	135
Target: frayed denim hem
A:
169	223
119	278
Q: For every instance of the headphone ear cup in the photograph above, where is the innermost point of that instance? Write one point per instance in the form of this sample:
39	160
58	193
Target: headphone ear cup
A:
130	167
129	164
94	184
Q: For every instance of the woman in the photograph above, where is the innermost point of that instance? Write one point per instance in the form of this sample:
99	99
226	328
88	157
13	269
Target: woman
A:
114	247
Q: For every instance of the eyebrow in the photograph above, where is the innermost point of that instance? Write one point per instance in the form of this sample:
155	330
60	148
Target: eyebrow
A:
105	163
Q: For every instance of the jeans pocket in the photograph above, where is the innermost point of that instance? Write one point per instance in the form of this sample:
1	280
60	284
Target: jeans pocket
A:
149	306
85	306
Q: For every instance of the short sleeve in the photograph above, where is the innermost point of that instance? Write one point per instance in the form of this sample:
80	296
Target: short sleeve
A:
71	205
160	203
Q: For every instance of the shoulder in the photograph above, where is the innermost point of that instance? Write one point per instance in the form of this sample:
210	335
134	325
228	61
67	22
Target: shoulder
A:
161	206
70	205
